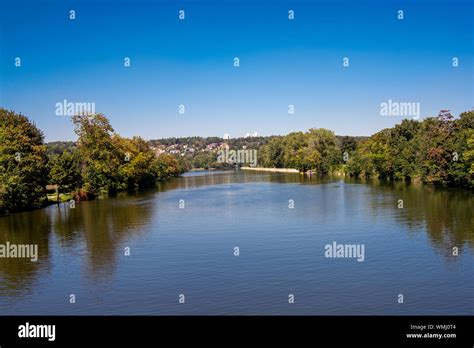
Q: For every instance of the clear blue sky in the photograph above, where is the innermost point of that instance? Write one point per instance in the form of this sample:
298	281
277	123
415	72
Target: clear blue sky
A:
190	62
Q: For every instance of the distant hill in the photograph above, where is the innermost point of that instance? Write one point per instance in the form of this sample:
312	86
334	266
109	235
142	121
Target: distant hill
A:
58	147
199	152
201	142
250	142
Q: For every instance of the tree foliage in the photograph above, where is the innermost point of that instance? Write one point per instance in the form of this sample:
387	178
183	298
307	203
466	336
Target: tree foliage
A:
314	150
65	171
112	163
437	150
100	162
23	163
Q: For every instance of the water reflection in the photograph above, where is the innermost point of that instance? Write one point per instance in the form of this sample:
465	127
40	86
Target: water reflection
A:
96	232
446	214
103	227
18	275
197	179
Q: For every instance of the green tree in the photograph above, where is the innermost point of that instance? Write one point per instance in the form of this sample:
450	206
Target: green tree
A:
271	154
65	172
23	163
461	167
138	167
469	156
348	144
403	150
204	159
100	157
294	154
324	154
436	148
436	151
113	163
168	166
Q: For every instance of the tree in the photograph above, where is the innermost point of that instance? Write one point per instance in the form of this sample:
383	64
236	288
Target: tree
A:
436	151
404	149
138	168
323	150
23	163
271	154
65	172
100	157
469	156
167	166
462	169
204	159
113	163
293	155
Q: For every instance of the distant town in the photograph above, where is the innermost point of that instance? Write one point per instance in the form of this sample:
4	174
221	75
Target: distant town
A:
192	145
199	152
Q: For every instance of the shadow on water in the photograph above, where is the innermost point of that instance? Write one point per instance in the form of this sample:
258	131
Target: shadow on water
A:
19	274
447	215
102	227
97	231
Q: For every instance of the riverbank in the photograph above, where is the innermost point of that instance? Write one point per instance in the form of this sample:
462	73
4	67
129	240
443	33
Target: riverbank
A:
286	170
273	170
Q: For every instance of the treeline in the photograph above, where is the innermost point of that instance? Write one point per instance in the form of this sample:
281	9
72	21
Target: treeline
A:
200	143
100	162
438	150
319	150
203	158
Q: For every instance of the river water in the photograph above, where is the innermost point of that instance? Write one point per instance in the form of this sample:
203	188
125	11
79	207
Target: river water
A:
247	243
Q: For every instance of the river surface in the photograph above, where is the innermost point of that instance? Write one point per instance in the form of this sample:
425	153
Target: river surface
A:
183	239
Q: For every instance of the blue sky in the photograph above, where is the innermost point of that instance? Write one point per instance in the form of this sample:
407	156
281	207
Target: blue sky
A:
190	62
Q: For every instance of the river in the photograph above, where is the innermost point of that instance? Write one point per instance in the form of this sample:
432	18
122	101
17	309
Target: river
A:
246	243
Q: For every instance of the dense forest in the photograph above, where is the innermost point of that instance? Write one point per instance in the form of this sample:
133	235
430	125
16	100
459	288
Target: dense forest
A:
100	162
438	150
